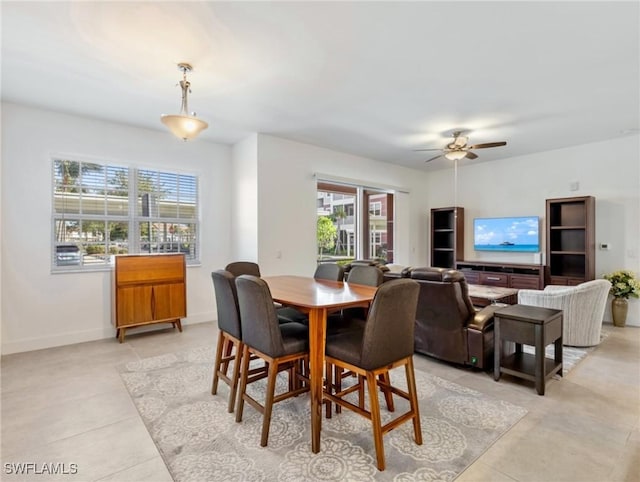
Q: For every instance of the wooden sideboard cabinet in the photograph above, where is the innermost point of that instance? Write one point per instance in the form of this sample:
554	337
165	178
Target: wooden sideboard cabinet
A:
148	289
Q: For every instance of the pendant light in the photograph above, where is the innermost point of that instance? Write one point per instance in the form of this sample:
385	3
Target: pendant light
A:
184	125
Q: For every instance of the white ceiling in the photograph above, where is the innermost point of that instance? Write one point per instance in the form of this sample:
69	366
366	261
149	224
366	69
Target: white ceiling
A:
376	79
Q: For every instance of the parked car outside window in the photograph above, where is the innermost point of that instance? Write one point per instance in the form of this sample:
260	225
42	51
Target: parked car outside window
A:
67	255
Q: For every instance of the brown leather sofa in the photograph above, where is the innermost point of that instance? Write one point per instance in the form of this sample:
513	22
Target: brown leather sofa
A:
365	262
447	325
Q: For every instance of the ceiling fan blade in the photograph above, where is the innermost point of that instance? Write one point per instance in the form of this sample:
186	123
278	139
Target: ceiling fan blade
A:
488	144
433	158
420	150
471	155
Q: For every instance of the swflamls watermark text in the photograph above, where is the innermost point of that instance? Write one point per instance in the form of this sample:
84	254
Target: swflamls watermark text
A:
40	468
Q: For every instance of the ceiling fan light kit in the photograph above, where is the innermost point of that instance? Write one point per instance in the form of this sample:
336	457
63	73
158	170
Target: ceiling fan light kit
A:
458	149
184	125
455	155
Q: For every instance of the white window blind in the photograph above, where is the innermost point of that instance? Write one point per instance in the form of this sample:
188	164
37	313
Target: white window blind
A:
101	210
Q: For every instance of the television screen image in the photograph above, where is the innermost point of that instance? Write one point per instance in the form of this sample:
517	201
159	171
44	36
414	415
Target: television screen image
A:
516	234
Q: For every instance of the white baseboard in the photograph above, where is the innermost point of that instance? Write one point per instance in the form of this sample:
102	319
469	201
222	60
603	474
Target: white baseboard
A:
71	338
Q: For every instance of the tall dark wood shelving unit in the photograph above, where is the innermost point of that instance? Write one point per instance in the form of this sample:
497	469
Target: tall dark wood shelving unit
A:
447	236
570	236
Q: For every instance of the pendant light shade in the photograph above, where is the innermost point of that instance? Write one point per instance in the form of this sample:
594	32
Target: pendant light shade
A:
184	125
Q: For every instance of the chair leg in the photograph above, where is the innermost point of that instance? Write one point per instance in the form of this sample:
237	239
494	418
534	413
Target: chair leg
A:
361	392
243	383
268	403
413	400
216	365
235	377
329	388
375	419
388	395
337	383
227	353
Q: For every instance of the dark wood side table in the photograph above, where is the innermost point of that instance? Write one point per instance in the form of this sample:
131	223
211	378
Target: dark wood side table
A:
528	325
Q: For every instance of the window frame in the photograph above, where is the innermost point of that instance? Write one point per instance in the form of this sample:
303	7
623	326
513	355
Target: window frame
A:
132	218
363	230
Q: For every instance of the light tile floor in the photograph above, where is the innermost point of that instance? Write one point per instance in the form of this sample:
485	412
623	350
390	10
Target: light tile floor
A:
68	405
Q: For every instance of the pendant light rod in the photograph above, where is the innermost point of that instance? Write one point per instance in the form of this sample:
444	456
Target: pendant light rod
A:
184	125
185	85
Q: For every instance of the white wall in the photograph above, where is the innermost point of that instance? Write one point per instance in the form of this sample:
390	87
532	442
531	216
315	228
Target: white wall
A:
258	200
244	218
609	170
287	203
41	309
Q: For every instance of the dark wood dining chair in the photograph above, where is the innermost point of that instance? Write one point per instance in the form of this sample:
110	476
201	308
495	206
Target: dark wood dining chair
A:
238	268
385	342
283	346
230	346
329	271
351	319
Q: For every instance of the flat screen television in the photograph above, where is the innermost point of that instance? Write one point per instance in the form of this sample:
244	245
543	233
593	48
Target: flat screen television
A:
515	234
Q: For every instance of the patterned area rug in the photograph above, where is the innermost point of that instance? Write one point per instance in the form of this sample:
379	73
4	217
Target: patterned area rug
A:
200	441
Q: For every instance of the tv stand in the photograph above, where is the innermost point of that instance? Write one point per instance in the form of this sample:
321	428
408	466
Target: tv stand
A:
506	275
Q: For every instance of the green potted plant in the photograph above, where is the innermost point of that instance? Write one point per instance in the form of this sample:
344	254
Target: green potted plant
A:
623	285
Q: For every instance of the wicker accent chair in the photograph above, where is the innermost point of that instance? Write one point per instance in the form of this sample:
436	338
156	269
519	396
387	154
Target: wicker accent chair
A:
582	309
383	343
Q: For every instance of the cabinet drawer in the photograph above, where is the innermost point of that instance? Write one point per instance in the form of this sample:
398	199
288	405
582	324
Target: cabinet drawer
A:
565	280
149	269
472	277
494	279
521	282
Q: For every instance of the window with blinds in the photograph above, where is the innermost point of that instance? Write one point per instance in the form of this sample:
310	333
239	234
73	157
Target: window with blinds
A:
103	210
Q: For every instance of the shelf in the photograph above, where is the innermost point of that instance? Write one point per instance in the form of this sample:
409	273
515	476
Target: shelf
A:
447	236
567	227
523	365
569	252
570	241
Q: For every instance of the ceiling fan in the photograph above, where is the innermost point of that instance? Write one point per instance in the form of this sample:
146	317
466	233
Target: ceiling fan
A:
458	149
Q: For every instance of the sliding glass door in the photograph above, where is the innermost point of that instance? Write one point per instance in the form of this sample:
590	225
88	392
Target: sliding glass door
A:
353	222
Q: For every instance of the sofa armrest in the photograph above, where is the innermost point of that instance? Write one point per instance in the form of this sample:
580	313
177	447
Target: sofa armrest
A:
483	319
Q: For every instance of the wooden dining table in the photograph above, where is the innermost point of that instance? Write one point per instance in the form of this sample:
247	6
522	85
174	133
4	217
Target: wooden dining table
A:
317	298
